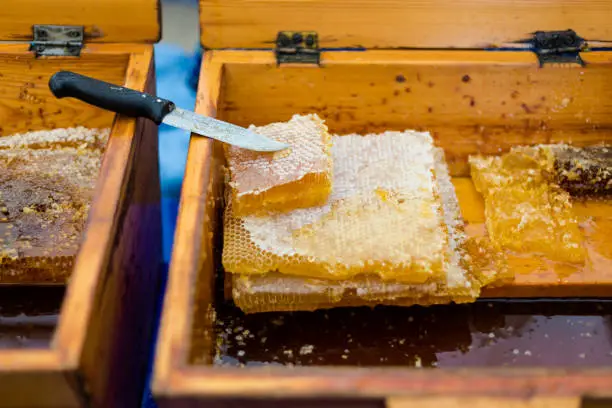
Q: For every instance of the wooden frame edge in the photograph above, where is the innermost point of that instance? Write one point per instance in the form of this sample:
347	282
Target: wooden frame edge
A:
78	304
482	402
93	48
19	368
160	28
103	23
470	25
390	57
175	325
389	382
28	359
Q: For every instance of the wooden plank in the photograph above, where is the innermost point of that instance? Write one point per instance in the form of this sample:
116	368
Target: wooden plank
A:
108	21
21	369
106	317
476	402
470	101
26	103
275	382
398	23
192	251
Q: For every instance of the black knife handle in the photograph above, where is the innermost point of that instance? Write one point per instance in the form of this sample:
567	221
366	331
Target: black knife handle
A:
110	97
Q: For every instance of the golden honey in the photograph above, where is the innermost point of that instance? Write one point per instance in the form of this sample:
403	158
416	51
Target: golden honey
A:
298	177
525	212
391	233
356	231
594	220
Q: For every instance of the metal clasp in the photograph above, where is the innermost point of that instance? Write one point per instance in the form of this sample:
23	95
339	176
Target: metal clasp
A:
558	46
57	40
297	47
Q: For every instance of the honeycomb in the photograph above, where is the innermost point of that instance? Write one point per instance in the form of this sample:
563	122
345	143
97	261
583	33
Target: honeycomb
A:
46	184
585	171
384	217
276	291
487	262
300	177
281	293
522	165
525	212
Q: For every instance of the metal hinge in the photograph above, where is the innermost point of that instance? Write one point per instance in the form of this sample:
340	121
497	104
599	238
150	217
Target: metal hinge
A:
297	47
57	40
558	47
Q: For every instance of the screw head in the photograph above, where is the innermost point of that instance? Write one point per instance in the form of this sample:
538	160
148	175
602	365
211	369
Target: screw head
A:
283	40
297	38
310	40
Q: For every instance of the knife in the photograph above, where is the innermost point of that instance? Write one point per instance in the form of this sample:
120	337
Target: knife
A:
133	103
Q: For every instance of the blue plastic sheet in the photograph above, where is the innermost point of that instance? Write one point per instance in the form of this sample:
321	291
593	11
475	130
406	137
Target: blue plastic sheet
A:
175	70
177	74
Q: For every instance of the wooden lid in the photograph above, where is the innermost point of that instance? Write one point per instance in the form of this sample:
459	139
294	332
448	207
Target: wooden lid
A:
399	23
108	21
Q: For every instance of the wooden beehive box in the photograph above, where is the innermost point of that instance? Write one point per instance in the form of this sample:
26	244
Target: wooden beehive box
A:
474	74
98	351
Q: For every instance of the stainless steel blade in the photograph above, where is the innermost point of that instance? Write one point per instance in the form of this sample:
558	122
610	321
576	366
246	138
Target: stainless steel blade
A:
222	131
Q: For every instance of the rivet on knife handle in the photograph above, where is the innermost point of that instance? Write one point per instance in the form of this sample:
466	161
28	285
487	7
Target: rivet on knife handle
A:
109	96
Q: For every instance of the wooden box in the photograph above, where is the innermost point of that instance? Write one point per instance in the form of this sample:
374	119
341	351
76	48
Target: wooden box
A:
98	351
474	75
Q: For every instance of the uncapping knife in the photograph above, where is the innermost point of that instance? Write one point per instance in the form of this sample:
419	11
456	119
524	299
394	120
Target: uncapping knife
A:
139	104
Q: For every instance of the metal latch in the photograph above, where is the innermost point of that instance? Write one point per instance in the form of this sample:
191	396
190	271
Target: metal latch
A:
558	47
57	40
297	47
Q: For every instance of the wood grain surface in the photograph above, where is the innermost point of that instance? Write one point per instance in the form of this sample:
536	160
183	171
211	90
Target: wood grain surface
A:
475	402
470	101
398	23
107	21
26	103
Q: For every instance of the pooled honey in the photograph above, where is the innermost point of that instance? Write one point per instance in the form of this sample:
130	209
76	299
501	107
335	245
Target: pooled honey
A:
594	218
512	333
28	316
